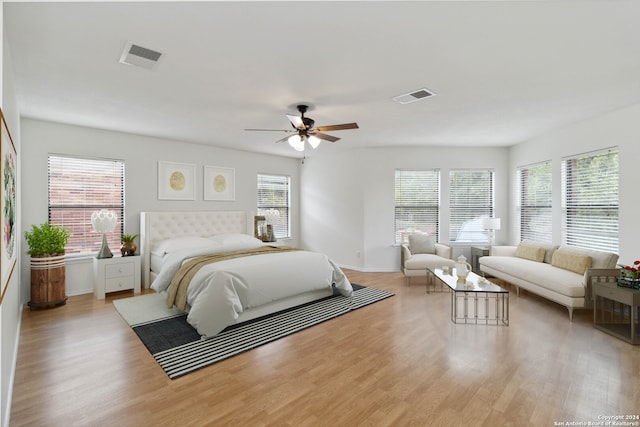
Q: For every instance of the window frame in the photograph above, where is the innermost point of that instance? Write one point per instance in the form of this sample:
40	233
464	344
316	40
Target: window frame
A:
535	201
84	241
427	206
282	227
470	212
579	228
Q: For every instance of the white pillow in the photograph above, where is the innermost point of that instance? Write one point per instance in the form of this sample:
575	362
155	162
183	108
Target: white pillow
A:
236	241
233	239
422	244
180	243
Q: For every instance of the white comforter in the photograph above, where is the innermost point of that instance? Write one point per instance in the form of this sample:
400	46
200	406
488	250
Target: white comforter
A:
221	291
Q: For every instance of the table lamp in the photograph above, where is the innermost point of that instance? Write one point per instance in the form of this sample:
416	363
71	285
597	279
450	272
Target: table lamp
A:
491	225
104	221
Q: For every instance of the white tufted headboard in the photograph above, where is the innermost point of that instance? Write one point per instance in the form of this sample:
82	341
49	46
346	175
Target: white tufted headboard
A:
157	226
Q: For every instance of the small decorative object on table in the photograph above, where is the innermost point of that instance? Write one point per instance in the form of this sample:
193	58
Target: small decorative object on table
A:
271	216
462	268
259	227
630	276
128	247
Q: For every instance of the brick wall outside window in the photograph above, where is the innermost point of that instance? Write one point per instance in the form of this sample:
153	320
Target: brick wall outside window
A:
77	188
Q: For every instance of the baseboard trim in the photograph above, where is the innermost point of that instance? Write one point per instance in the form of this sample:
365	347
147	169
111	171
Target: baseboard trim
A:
80	292
7	415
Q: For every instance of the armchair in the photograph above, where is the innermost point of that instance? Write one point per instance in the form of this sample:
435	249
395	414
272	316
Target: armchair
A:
421	253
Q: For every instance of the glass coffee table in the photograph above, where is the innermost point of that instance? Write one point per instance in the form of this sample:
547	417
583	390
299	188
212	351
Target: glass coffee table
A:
476	300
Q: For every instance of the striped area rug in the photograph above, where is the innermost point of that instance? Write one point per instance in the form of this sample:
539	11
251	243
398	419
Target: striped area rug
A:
186	358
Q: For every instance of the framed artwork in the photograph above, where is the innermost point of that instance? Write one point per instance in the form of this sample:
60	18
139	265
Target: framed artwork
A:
259	222
8	172
176	181
219	183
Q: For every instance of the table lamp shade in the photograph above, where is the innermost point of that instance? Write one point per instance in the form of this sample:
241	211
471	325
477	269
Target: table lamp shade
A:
271	216
491	223
104	221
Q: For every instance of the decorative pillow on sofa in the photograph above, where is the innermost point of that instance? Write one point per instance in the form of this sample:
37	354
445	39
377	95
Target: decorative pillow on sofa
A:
422	244
571	261
549	249
529	251
599	259
548	252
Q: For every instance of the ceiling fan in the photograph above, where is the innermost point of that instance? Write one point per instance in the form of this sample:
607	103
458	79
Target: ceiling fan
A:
303	130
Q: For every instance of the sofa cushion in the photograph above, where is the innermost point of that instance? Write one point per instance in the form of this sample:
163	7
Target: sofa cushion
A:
571	261
599	259
422	244
530	251
424	261
540	274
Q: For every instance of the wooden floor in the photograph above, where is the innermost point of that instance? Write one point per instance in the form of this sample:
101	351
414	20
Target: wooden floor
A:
399	362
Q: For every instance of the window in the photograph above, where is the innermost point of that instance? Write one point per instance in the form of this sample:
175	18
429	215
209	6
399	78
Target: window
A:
417	203
79	186
590	200
534	202
470	200
274	193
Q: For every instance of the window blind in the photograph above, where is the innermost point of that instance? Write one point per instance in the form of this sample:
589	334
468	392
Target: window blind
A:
417	202
534	202
79	186
274	193
590	200
470	199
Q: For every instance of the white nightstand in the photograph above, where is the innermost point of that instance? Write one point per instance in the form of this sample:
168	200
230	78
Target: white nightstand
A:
116	274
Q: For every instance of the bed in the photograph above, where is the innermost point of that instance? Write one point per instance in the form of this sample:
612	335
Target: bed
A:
246	279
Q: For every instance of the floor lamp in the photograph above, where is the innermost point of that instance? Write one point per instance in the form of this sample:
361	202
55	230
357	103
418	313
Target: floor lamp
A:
491	225
104	221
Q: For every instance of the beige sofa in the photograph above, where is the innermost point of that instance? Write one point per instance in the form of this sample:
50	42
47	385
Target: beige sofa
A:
423	252
559	273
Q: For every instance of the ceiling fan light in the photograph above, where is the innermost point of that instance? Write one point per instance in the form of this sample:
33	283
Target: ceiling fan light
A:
314	141
296	142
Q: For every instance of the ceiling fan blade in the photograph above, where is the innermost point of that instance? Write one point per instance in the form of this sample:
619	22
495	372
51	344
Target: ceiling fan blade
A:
270	130
325	136
296	121
285	139
343	126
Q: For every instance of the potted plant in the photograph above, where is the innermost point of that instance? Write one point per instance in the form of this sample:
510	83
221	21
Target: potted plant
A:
47	244
129	246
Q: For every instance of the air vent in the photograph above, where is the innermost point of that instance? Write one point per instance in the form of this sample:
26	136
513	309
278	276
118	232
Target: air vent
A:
134	54
413	96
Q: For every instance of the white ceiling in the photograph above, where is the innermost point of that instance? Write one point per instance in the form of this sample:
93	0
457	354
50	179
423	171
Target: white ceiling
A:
503	71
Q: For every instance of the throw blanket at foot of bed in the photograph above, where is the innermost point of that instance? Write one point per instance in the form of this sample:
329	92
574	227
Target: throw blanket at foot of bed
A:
177	292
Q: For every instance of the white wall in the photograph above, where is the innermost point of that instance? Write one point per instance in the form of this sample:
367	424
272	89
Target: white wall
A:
141	155
10	310
332	203
618	128
348	199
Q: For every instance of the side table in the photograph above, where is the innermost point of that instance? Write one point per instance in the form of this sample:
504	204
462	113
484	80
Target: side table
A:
476	253
116	274
615	310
